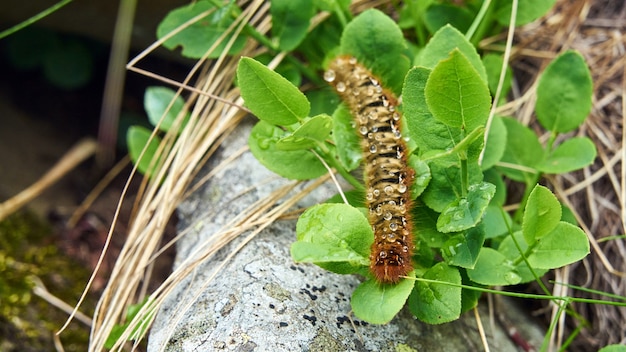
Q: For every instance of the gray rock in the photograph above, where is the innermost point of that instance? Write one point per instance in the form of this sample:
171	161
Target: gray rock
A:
262	301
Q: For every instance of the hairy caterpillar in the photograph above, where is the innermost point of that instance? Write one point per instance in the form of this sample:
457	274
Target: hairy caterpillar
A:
387	176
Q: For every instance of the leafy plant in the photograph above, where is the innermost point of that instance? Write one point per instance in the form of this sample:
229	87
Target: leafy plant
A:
143	146
446	105
461	155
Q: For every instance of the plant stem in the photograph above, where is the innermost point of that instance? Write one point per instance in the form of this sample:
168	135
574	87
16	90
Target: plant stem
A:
484	21
34	19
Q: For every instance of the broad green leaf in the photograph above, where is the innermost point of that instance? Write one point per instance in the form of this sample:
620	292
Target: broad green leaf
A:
332	5
456	95
22	54
439	15
322	42
323	101
564	93
541	215
290	21
336	237
346	139
427	132
527	11
378	304
509	249
137	137
613	348
573	154
425	221
422	176
493	269
493	66
496	221
435	303
156	101
443	43
462	249
495	178
355	198
522	151
445	184
496	143
69	64
566	244
377	42
312	132
284	68
199	37
269	95
139	330
469	298
295	164
466	212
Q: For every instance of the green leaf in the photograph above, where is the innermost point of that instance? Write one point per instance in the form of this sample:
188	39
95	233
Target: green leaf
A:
199	37
522	150
443	43
564	93
527	11
355	198
378	304
462	249
439	15
509	249
420	120
69	64
613	348
466	212
290	21
496	143
445	186
541	215
323	101
422	176
573	154
456	95
295	164
493	269
118	330
156	101
493	66
313	131
270	96
377	43
336	237
496	221
346	139
425	220
137	137
495	178
435	303
566	244
469	298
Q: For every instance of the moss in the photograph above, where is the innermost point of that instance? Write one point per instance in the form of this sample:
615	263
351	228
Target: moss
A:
27	256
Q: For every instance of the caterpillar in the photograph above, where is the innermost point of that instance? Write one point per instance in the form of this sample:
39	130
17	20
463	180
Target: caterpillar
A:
387	176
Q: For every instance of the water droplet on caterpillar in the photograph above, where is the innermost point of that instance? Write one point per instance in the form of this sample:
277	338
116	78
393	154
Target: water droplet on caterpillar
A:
330	75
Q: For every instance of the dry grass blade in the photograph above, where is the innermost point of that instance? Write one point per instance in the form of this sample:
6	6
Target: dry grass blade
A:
210	120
